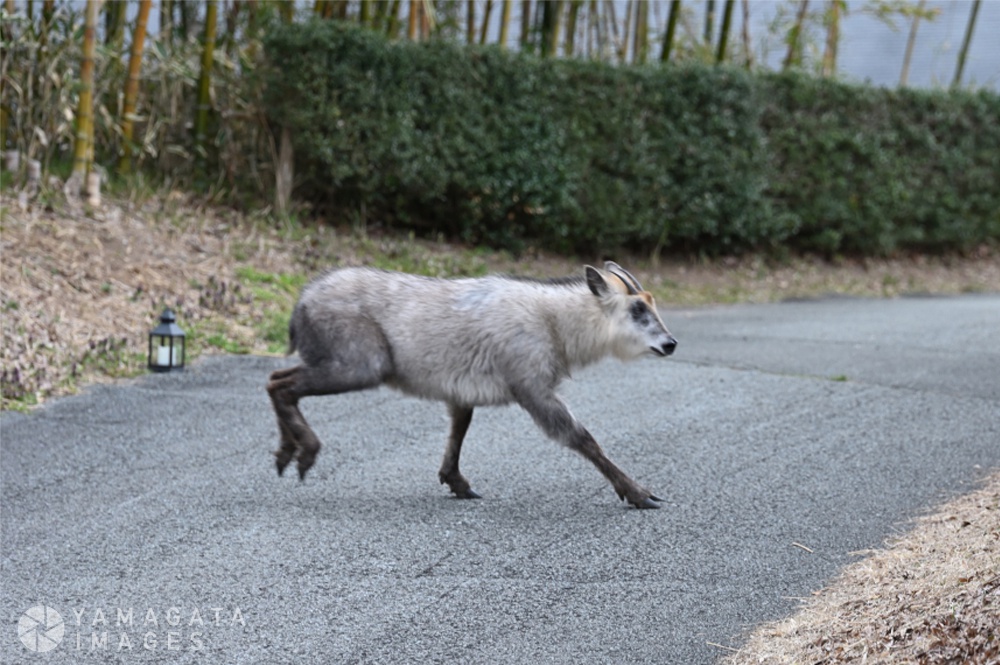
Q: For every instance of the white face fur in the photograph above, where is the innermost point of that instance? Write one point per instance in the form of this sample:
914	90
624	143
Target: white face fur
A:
633	312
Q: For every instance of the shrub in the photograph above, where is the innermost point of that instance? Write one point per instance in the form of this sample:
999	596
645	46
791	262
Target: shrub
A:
869	170
503	149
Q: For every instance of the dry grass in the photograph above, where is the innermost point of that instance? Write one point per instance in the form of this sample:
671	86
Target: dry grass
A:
933	596
81	289
81	292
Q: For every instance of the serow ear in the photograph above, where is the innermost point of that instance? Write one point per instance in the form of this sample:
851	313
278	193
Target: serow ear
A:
596	282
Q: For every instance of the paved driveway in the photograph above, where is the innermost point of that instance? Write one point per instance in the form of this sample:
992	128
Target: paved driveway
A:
784	438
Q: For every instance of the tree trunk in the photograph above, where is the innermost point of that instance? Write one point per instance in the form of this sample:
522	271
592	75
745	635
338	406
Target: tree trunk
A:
594	42
525	24
747	46
470	21
413	20
504	22
283	174
82	148
486	21
132	85
569	47
187	9
793	57
965	45
551	13
668	39
626	30
832	36
114	24
640	40
426	19
232	20
205	82
904	75
709	20
392	20
727	18
614	44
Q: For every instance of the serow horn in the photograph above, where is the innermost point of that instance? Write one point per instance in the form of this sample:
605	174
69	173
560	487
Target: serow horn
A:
631	283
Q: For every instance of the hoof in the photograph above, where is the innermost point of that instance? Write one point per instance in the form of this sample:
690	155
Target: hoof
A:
305	462
281	460
647	503
469	494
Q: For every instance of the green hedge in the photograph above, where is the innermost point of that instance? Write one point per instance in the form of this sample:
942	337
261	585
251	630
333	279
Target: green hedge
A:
503	149
870	170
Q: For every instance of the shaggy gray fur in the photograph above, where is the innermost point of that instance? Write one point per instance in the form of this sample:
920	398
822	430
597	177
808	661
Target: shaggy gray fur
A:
468	343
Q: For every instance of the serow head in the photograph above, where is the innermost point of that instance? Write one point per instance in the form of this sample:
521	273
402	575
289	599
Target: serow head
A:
636	325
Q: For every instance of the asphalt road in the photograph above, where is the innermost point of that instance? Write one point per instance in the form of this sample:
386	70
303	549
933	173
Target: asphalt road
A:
149	516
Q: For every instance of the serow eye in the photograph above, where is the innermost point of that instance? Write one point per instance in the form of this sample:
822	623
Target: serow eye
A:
639	311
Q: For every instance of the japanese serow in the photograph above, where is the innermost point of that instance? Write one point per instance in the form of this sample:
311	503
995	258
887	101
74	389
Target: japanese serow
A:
468	343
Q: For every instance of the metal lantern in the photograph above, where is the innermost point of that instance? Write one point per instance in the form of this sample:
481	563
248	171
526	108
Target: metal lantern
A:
166	344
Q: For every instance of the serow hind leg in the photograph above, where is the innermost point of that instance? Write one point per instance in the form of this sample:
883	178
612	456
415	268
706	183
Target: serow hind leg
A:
288	386
297	438
449	474
286	452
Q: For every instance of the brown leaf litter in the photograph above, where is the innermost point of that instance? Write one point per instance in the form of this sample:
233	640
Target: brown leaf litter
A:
931	598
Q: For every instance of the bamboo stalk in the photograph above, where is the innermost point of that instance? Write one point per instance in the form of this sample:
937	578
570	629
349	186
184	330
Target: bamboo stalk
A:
832	38
470	21
747	47
793	38
709	20
668	40
965	45
904	75
626	32
132	85
205	80
525	23
571	21
486	21
411	25
85	108
392	21
504	22
640	41
727	17
551	18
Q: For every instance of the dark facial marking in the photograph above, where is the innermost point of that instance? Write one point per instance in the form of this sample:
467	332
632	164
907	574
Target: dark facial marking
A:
639	312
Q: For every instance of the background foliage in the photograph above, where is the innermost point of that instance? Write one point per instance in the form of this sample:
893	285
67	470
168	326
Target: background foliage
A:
584	138
507	148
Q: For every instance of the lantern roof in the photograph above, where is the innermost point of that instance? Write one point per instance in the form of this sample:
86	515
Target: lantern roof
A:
168	326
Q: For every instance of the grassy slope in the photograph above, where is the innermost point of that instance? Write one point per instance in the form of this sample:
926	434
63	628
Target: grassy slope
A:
81	289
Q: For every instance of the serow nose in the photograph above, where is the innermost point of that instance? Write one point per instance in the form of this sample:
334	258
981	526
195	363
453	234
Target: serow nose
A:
669	346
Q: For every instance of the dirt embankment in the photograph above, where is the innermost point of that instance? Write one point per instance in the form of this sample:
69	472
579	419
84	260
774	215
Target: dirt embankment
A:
81	290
